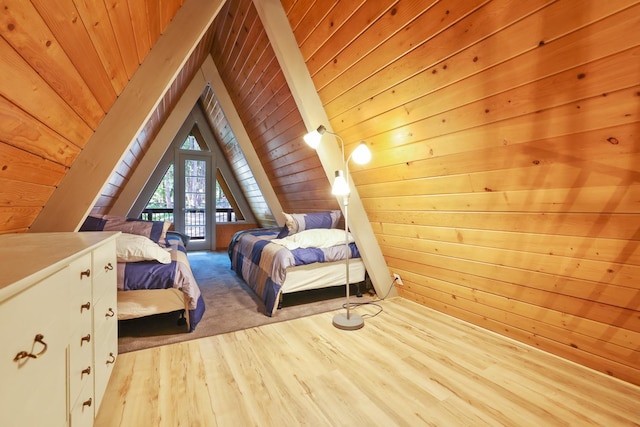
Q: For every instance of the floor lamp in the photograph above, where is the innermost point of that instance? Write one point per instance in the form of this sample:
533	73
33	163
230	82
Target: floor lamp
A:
361	155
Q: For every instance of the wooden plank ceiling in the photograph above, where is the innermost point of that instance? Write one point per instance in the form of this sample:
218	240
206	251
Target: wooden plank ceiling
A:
249	68
75	58
504	185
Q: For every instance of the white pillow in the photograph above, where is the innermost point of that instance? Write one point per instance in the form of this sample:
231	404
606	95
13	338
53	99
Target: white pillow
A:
134	248
314	238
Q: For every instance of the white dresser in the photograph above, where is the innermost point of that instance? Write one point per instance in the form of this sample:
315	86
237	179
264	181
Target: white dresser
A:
58	326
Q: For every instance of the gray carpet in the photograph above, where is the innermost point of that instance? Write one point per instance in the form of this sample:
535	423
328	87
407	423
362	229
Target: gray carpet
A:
230	306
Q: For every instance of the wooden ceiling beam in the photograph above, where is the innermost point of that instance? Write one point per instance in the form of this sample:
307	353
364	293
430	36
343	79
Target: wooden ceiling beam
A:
313	114
158	148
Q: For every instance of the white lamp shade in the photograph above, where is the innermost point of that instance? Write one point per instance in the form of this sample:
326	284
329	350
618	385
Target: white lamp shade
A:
340	185
313	139
361	154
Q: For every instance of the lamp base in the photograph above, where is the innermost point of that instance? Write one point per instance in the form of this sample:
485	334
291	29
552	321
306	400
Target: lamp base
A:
351	323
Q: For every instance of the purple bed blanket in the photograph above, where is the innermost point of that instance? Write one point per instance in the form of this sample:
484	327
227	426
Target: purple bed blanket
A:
154	275
263	265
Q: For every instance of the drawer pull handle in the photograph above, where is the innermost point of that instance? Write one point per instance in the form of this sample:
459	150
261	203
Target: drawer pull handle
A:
86	306
85	371
110	313
111	359
86	338
86	273
108	267
87	403
24	354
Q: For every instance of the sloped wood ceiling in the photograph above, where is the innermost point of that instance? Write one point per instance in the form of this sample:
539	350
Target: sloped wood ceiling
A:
504	186
257	86
63	65
146	137
230	147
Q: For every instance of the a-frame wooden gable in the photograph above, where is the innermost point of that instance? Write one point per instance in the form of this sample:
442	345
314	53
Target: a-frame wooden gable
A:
81	187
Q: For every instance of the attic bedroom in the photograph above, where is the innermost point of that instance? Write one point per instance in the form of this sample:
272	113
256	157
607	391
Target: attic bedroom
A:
496	224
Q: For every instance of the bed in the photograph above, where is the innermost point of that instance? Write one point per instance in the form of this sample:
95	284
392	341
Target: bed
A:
154	273
307	253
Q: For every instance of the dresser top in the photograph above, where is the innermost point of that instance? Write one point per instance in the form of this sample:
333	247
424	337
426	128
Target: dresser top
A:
26	258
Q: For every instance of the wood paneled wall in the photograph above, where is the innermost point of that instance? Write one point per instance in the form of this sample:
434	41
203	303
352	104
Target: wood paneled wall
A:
257	86
232	151
63	65
504	186
147	136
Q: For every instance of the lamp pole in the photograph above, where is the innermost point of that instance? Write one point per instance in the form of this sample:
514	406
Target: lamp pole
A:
341	187
347	321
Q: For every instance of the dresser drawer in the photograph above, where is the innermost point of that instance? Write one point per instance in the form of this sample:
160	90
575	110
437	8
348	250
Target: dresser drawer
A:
106	352
81	273
81	371
105	267
105	313
82	410
36	322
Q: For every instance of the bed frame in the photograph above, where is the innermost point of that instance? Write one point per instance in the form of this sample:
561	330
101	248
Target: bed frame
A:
142	303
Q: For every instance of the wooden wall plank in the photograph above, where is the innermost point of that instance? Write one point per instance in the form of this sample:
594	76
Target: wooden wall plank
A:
319	25
222	29
491	66
247	34
587	81
503	185
596	224
599	112
596	144
233	24
20	130
256	78
597	199
65	24
141	29
264	102
17	220
155	21
601	249
95	17
168	9
236	146
28	34
382	43
566	295
616	273
21	165
269	101
122	24
360	22
23	194
612	170
25	88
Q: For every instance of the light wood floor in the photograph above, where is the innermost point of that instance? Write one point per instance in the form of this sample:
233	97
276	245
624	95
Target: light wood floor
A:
409	366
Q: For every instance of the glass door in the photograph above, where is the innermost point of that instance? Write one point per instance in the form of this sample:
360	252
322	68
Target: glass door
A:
193	201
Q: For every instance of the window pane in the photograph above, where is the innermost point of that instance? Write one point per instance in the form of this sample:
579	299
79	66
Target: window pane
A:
191	144
195	198
160	206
